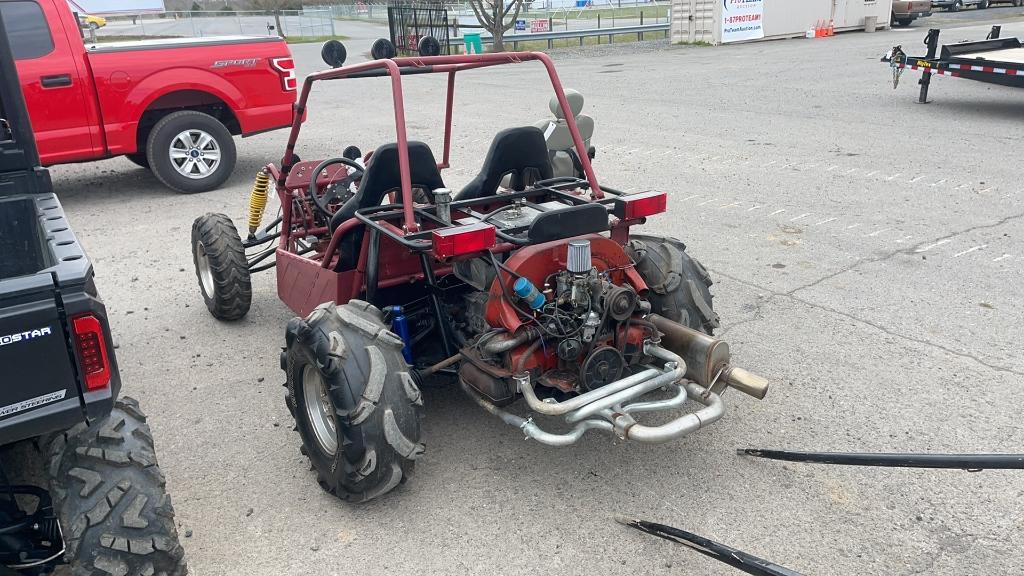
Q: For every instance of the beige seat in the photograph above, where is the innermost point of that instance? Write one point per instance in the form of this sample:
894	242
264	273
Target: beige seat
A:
559	139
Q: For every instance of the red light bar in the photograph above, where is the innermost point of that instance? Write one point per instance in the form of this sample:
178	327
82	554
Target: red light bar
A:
286	69
460	240
635	206
92	351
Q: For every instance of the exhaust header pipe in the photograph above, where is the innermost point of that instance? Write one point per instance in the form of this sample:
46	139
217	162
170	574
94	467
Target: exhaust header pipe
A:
707	359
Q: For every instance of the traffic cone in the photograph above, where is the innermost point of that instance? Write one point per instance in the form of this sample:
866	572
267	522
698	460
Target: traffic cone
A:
831	27
819	31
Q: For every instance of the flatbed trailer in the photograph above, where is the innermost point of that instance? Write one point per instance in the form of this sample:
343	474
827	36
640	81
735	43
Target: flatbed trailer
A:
993	60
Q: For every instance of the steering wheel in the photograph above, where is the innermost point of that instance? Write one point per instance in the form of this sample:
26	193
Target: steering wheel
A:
322	202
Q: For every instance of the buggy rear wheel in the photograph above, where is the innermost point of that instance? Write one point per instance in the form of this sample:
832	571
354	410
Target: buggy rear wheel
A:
679	286
221	267
355	404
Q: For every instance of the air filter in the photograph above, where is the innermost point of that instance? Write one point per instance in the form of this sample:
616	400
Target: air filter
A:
578	260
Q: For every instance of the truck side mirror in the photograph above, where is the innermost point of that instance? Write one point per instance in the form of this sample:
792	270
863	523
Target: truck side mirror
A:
333	53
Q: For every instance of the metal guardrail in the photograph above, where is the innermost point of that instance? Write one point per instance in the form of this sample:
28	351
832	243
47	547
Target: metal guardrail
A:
515	39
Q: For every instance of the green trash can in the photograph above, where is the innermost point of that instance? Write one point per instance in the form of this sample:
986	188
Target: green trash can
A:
473	43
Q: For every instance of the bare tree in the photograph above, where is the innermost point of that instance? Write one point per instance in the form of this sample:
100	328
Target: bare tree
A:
492	16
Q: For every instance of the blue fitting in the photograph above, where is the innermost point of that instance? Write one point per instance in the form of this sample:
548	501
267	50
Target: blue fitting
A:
400	326
528	292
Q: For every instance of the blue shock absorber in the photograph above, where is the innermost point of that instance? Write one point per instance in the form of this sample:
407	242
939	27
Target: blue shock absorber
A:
529	293
400	326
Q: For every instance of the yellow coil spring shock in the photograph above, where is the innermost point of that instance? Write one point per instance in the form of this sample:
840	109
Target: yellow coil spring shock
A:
258	200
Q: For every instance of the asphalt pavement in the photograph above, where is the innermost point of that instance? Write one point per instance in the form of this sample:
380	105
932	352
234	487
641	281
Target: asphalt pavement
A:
868	259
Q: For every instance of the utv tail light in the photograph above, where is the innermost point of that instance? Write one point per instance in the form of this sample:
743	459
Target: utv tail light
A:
634	206
286	69
461	240
92	351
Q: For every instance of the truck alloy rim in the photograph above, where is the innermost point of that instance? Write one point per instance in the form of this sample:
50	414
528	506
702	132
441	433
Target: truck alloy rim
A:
203	266
195	154
319	410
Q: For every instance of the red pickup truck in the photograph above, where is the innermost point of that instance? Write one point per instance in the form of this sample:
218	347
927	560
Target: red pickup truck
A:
168	105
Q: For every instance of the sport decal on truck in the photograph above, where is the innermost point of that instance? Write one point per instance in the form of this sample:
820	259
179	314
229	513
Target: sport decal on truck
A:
32	403
245	62
24	336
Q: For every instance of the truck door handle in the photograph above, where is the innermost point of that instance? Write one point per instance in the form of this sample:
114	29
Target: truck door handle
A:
58	81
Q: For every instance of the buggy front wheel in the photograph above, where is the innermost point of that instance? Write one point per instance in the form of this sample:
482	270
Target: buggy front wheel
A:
221	266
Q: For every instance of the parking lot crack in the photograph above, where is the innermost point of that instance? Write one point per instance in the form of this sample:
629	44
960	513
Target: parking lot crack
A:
911	250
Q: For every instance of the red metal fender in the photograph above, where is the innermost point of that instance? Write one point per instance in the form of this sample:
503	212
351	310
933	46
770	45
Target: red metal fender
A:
539	261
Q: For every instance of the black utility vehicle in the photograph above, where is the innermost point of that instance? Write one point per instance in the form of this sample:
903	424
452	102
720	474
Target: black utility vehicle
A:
89	493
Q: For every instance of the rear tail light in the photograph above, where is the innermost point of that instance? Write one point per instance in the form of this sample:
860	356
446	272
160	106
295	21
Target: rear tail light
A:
634	206
286	69
461	240
92	351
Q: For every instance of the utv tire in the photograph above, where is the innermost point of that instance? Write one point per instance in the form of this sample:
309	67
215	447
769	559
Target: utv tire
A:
139	160
679	286
190	151
221	267
110	495
355	404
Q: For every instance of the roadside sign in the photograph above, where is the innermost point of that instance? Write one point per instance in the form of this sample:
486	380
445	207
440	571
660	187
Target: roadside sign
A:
520	25
540	25
742	20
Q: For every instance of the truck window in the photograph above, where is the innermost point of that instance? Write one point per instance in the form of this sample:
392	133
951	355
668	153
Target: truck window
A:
27	29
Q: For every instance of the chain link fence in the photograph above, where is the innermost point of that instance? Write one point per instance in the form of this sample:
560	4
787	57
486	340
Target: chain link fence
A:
306	23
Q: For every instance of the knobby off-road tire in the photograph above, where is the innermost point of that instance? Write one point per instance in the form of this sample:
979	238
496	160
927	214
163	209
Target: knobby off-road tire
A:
221	267
114	510
369	399
679	286
197	128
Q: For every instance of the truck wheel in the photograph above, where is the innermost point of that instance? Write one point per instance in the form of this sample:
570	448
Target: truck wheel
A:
957	6
679	286
190	151
138	159
983	4
906	22
355	404
221	267
110	494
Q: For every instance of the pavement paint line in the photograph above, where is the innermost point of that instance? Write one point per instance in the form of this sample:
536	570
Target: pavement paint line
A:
930	246
1003	257
769	164
777	212
938	182
755	207
877	232
707	201
985	190
691	197
870	174
962	186
633	151
969	250
853	226
825	221
730	205
851	170
904	239
666	153
799	217
893	177
916	179
831	168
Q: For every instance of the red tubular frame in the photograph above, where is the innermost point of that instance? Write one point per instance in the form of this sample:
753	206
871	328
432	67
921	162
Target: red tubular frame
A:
436	64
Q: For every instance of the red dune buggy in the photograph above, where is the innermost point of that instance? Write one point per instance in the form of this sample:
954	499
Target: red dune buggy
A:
534	290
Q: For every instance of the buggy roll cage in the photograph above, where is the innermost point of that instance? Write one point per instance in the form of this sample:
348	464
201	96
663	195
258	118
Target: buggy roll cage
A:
395	68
